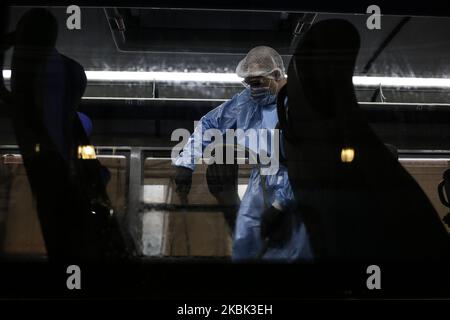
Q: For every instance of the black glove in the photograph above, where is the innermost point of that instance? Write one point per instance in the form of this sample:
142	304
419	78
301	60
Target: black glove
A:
183	181
276	226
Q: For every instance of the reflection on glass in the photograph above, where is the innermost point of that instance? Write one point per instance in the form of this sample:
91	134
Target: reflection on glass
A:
347	154
86	152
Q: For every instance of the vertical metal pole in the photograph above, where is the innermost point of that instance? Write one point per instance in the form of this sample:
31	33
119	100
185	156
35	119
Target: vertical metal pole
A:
134	217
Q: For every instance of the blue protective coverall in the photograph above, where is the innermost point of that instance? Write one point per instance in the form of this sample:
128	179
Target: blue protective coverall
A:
244	112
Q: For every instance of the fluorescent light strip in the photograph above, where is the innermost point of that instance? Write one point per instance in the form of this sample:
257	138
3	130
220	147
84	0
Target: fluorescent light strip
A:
138	76
152	99
417	104
425	159
162	76
401	82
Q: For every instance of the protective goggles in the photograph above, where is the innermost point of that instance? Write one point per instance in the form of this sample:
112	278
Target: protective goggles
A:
257	82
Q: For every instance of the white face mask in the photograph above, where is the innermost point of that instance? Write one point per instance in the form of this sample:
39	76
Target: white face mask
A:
258	93
263	95
264	98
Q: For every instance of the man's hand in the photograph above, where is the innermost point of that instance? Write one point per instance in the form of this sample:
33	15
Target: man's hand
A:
183	181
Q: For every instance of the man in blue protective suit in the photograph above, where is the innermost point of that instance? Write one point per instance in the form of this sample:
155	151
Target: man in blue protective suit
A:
267	225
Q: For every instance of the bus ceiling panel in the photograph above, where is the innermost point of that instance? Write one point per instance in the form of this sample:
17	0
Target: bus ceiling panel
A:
215	41
419	48
399	7
200	31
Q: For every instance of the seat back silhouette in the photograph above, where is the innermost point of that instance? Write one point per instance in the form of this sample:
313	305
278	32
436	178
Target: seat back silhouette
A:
444	193
46	88
356	199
